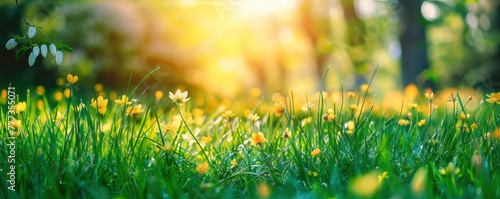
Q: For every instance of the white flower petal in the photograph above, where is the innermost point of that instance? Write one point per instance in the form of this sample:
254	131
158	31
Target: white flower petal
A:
53	49
11	44
31	31
31	59
43	49
36	51
59	57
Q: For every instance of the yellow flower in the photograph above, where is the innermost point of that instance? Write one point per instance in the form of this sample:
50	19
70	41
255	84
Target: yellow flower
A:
67	93
418	182
421	122
15	123
101	104
233	163
202	168
463	116
286	133
353	107
123	100
350	127
58	96
450	169
382	176
364	186
257	139
228	114
496	133
312	173
493	98
180	98
351	94
40	90
206	139
253	117
135	110
20	107
429	96
315	152
414	106
329	116
365	88
72	79
158	95
278	108
263	190
403	122
99	87
59	116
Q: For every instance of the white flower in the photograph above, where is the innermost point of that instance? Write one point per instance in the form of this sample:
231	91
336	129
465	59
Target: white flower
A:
53	49
31	59
179	97
31	31
59	57
43	49
36	51
11	44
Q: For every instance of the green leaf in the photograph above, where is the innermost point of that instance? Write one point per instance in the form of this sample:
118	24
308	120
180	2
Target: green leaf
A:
64	47
21	51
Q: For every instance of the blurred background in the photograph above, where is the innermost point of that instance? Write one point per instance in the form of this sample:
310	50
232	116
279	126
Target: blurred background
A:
232	47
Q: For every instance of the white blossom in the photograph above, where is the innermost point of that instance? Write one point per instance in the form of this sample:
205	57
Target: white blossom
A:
11	44
43	49
31	31
53	49
31	59
59	57
36	51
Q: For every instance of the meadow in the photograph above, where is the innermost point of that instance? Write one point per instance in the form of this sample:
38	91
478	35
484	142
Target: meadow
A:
332	144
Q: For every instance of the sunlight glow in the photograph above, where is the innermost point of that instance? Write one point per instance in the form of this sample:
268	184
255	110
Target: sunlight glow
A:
430	11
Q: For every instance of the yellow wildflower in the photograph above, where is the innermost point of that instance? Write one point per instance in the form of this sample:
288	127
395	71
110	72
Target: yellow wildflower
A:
20	107
403	122
365	88
496	133
429	96
493	98
463	116
15	123
123	100
158	95
58	96
364	186
67	93
100	104
450	169
228	114
263	190
286	133
421	122
258	139
418	182
414	106
180	98
382	176
315	152
206	139
40	90
351	94
278	108
312	173
353	107
72	79
350	127
233	163
253	117
202	168
135	110
59	116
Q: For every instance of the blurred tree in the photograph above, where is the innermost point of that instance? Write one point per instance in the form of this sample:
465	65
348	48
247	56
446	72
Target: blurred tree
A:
413	42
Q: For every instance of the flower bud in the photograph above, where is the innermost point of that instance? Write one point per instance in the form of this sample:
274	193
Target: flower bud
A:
31	31
59	57
11	44
43	50
53	49
31	59
36	51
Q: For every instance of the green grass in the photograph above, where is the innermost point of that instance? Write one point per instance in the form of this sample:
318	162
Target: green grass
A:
155	154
